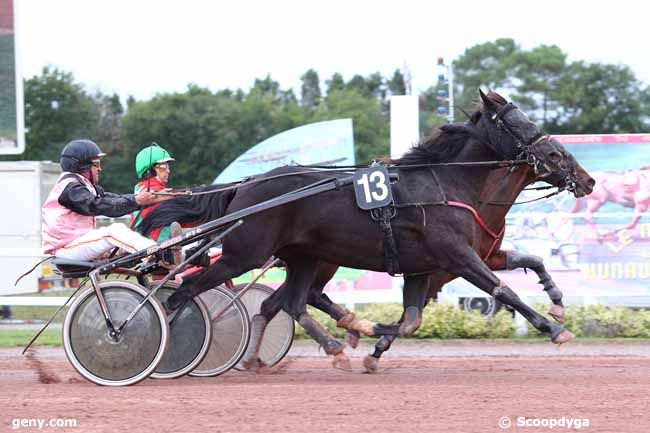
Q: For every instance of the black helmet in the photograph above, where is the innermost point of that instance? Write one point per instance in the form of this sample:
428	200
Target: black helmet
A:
77	155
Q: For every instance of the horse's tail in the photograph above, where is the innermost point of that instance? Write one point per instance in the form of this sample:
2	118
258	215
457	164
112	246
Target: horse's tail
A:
188	210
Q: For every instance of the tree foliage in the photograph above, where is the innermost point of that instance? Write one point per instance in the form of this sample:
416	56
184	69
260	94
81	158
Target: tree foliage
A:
566	97
57	109
206	130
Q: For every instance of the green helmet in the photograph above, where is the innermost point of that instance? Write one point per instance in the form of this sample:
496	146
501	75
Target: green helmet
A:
147	157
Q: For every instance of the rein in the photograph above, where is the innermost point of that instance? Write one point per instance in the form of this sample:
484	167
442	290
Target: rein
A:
551	194
254	180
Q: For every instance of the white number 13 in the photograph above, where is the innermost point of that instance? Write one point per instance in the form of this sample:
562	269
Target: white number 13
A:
378	181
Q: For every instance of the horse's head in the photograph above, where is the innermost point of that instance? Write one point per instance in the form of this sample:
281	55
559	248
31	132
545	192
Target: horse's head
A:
512	135
572	176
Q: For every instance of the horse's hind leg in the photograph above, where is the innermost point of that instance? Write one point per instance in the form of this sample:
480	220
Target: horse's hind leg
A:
270	307
317	299
343	316
292	298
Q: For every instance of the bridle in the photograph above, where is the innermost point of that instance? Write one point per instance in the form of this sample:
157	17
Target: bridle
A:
526	146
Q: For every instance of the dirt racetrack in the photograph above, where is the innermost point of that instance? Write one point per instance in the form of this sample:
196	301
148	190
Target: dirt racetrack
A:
459	386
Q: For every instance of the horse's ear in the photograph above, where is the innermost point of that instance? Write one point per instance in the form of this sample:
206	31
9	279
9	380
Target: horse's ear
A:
486	101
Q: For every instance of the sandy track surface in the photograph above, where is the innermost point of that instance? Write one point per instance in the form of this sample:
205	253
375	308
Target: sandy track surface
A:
422	387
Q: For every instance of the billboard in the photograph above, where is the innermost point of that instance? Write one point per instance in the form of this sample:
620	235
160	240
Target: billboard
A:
596	246
323	143
12	136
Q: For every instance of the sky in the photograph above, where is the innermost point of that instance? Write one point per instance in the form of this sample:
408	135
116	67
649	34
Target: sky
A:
143	47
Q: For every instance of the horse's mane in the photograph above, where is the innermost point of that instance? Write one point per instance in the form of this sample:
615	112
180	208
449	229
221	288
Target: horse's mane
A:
448	141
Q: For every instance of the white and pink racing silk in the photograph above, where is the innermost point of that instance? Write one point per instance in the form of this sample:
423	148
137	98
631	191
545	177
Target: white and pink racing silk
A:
60	225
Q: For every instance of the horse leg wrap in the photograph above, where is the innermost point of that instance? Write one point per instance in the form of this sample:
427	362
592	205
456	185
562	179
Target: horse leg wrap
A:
251	357
554	293
384	344
352	323
516	260
318	333
411	322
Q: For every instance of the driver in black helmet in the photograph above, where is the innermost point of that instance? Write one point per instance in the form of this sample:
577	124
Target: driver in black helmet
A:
68	215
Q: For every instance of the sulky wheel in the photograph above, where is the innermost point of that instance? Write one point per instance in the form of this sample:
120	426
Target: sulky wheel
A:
139	348
278	335
230	333
189	336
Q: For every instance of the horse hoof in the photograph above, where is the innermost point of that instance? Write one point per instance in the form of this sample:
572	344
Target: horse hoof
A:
557	312
342	362
254	364
370	363
352	339
563	337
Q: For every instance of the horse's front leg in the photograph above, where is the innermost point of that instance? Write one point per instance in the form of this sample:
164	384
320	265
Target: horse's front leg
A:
508	260
470	266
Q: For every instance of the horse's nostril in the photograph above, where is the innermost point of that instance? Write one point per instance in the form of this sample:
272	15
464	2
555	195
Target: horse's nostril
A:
591	182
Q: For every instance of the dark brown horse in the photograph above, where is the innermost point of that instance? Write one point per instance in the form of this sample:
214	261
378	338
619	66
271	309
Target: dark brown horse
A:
500	192
330	228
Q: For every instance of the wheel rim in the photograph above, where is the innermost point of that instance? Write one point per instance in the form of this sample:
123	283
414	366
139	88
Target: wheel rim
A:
485	306
95	355
230	334
189	337
278	335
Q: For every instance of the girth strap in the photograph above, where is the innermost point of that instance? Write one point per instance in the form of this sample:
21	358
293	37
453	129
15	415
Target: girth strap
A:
391	255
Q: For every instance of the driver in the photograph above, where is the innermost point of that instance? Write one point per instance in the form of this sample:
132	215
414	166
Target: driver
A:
68	215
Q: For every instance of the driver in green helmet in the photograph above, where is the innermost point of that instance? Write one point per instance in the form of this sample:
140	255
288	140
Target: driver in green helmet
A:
152	167
152	164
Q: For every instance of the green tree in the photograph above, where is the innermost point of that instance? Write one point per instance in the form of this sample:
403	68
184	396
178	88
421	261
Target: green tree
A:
600	98
396	84
538	72
206	131
489	65
566	97
371	126
108	113
199	129
335	83
310	91
57	110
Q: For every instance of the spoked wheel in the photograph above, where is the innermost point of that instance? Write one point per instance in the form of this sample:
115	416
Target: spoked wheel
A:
278	335
230	333
138	350
189	336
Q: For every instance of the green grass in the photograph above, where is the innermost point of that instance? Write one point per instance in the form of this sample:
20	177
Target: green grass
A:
30	313
20	338
33	312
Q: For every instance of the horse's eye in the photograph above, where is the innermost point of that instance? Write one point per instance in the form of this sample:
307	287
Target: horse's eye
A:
555	157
